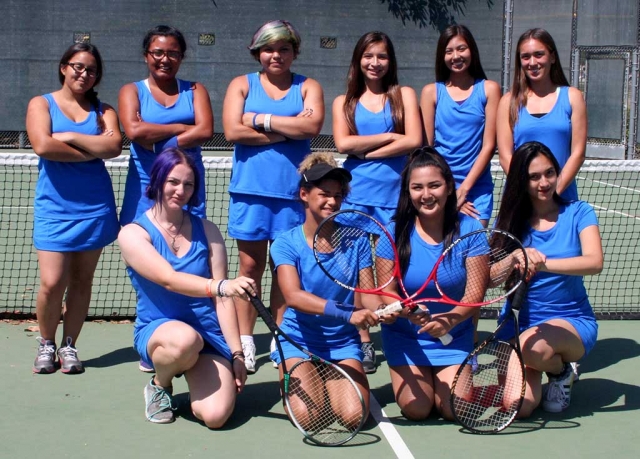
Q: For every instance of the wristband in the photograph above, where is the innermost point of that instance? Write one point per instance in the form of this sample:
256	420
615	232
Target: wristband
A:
208	288
220	289
342	311
255	126
267	123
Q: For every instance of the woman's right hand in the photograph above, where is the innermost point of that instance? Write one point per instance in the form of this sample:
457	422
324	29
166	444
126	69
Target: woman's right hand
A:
364	318
241	286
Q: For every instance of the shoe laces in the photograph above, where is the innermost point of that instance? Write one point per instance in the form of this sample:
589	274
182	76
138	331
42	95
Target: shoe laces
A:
45	351
367	349
162	397
555	392
68	351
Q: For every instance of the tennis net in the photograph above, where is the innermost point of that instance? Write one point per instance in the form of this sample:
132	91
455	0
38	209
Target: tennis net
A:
612	187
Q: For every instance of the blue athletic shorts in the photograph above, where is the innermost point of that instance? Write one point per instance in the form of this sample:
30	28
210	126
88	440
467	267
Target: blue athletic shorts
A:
482	201
349	351
256	218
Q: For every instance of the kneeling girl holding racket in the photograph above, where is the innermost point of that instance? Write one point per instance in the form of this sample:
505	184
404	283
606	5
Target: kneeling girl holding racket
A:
320	316
426	221
563	244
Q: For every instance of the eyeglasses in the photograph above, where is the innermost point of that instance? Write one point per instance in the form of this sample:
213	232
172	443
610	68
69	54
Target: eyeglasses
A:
160	54
81	68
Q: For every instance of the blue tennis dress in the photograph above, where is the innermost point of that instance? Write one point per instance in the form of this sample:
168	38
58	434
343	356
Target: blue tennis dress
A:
401	341
327	337
157	305
135	202
74	206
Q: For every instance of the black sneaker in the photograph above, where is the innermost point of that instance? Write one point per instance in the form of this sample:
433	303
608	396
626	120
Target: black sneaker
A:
369	359
68	358
45	362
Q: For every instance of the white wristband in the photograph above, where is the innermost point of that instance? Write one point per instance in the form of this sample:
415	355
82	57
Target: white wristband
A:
267	123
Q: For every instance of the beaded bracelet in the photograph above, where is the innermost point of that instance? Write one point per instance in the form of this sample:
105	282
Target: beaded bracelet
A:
220	289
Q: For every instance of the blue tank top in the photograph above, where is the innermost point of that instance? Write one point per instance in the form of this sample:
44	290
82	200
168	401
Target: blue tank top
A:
459	132
270	170
155	302
72	190
553	130
135	202
376	182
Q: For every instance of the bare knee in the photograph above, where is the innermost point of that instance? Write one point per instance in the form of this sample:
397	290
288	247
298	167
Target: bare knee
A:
181	347
213	417
415	410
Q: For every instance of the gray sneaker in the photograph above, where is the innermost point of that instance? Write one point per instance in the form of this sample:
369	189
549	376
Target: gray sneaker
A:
158	403
68	358
369	359
45	362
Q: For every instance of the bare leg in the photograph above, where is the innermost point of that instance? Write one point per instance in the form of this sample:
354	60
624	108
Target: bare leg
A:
253	260
413	388
54	276
81	270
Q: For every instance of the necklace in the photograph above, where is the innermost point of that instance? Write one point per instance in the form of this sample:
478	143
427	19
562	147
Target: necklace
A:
174	247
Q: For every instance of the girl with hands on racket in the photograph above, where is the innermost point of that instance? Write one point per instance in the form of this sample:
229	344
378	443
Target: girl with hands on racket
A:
320	315
186	321
563	244
426	222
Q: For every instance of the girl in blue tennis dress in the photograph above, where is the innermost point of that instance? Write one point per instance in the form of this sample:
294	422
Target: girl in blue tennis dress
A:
320	315
427	220
271	116
74	207
563	243
376	123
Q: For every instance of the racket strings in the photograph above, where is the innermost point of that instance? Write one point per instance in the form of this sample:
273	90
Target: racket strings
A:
350	241
479	269
487	395
324	403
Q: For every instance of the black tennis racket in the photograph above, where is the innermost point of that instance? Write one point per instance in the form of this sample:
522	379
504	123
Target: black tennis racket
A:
489	387
322	400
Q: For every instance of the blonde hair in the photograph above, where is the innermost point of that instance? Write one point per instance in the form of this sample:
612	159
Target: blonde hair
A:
274	31
318	157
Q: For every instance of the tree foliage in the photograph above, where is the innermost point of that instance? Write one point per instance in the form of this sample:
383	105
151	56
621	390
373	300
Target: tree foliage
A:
435	13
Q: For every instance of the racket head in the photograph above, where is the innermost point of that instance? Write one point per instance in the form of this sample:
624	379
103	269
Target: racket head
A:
323	402
481	267
349	242
489	387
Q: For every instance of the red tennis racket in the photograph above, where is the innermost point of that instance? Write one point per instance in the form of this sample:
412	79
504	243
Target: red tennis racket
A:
476	269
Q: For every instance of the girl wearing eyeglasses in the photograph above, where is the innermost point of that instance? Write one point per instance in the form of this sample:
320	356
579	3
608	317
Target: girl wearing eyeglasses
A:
74	208
160	112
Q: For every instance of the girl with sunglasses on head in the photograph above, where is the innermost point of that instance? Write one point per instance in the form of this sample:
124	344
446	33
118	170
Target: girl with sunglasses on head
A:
72	132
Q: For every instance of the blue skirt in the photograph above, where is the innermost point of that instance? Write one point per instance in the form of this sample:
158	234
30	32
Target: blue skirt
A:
55	235
257	218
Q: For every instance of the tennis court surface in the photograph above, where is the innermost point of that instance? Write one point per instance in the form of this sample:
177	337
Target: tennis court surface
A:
100	414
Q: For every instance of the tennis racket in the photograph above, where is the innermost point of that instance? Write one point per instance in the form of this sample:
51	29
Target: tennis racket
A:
489	387
476	269
322	400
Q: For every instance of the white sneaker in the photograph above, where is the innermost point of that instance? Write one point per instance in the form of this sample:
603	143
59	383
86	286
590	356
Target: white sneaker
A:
558	394
272	349
249	351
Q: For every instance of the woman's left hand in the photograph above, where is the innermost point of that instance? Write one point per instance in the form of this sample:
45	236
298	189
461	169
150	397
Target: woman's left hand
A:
239	373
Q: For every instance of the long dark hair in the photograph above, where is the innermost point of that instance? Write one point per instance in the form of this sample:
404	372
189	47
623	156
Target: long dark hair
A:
516	208
406	213
91	94
390	85
162	167
475	67
520	86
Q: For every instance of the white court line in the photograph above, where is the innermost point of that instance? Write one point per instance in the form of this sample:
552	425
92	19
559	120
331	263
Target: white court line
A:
389	431
606	209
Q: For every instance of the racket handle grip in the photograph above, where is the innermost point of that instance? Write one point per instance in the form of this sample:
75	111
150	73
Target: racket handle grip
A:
446	339
389	309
